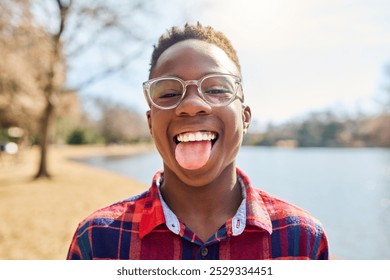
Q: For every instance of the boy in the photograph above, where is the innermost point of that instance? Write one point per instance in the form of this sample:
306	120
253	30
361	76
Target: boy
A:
201	206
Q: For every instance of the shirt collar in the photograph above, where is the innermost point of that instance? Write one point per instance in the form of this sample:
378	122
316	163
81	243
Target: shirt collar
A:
152	213
238	222
251	211
171	219
257	214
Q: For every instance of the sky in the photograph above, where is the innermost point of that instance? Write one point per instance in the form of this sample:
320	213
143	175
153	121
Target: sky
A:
296	56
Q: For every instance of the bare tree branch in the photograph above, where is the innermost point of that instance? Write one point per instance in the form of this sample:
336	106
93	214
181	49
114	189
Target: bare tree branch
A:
109	71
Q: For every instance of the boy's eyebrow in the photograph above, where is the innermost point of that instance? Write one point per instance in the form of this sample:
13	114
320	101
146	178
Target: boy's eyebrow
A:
205	74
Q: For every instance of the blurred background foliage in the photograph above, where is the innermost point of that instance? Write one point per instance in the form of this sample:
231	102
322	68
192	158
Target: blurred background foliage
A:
326	129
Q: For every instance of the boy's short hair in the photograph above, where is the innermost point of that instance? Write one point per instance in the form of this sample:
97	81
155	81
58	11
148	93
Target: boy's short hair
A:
199	32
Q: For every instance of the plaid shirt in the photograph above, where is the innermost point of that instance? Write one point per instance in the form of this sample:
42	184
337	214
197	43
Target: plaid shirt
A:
143	227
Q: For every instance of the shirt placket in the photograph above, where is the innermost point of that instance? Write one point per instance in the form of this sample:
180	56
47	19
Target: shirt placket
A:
205	250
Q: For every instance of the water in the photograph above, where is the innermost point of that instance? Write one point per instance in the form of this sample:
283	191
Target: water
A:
347	189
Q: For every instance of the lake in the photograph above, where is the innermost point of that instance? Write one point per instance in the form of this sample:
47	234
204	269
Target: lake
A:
347	189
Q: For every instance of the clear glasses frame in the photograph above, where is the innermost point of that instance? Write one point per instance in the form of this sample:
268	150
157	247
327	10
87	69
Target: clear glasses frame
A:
198	83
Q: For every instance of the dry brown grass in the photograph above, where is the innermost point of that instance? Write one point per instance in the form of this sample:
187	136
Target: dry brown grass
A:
38	218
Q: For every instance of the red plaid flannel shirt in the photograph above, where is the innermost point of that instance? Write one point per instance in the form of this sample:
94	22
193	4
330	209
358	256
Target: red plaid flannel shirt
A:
143	227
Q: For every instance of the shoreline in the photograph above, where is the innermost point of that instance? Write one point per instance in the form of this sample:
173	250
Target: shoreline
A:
39	217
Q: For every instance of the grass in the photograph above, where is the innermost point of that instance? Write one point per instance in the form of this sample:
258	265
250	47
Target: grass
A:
39	217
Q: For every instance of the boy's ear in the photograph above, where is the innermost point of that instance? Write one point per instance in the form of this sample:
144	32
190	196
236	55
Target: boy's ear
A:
149	122
246	118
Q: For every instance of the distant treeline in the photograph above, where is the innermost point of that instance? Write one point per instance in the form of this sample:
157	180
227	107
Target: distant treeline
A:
326	130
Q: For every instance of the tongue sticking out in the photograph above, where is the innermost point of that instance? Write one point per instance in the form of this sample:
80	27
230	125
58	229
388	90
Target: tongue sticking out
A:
193	155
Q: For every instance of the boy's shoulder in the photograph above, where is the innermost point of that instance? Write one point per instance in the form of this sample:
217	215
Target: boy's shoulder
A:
302	234
118	211
282	211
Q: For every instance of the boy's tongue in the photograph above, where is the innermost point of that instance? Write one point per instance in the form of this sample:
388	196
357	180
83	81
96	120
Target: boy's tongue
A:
194	154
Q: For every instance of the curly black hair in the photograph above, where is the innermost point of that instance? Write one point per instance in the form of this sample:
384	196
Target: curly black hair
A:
199	32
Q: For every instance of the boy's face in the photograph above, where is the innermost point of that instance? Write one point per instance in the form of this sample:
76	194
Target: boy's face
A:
197	163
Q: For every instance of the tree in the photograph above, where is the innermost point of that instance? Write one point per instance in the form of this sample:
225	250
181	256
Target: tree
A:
53	35
22	53
120	124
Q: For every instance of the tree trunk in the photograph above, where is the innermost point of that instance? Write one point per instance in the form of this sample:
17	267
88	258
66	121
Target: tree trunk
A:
44	141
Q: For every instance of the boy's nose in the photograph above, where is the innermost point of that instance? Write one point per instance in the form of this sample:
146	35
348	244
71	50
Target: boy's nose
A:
192	103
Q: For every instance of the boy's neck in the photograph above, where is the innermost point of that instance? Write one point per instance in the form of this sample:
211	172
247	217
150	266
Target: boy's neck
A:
204	209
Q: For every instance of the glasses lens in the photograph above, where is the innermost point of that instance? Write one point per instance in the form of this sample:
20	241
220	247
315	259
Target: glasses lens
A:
166	92
219	90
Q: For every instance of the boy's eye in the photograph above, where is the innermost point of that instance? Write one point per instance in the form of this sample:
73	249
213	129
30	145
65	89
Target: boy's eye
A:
217	91
166	89
169	95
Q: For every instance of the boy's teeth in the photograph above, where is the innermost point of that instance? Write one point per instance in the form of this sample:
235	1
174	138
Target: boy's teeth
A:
196	136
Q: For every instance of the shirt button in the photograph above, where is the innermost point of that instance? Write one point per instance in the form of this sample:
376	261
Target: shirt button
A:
204	252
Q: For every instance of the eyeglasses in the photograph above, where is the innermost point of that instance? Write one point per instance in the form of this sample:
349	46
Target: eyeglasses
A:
215	89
